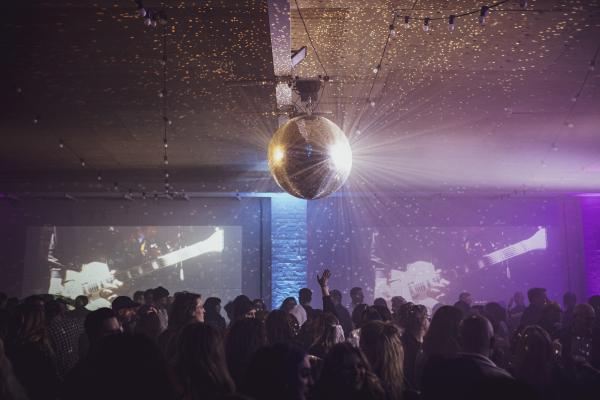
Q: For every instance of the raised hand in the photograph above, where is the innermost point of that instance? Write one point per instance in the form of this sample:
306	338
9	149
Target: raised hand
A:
323	280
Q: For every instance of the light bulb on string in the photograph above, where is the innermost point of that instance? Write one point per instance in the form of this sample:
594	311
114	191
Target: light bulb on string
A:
451	23
116	186
165	143
147	20
161	93
166	160
167	174
82	162
153	23
392	30
406	21
373	103
483	15
99	177
167	121
61	144
426	24
36	119
376	69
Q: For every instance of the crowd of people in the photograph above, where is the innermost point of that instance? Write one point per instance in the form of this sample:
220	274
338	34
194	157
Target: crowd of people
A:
163	347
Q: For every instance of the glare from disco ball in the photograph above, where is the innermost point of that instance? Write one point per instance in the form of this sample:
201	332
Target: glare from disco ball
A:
310	157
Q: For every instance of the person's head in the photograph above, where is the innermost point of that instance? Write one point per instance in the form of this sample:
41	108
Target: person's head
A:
81	302
229	310
160	296
533	353
186	309
381	344
569	300
383	311
357	296
212	306
288	304
519	298
397	302
305	296
259	306
30	323
476	335
593	301
35	301
583	319
124	308
465	297
279	372
380	301
336	296
138	297
200	361
442	336
415	321
537	297
149	296
319	332
243	307
54	309
281	327
347	374
245	337
495	313
101	323
357	314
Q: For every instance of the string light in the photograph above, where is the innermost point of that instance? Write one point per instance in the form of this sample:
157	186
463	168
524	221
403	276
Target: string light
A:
451	24
483	15
61	144
392	30
82	162
376	69
426	24
406	21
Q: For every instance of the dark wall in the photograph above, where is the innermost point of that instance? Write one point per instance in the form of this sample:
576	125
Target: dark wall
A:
252	214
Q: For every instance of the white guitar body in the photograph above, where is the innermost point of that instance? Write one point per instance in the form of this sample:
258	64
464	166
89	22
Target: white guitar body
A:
416	284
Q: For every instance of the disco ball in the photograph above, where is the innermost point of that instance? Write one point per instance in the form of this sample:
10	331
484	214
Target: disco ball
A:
310	157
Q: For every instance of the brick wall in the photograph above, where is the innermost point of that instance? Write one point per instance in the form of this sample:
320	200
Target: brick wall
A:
590	209
289	247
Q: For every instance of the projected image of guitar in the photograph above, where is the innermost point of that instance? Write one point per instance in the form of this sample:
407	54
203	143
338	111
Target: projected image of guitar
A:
422	283
95	278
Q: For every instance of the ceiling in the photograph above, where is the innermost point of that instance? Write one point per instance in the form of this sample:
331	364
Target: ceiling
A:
510	106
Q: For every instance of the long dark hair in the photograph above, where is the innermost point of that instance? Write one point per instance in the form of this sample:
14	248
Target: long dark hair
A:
381	344
244	339
336	382
533	357
199	363
183	309
442	336
318	334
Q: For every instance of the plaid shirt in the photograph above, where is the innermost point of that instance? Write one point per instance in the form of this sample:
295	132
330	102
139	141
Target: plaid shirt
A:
64	336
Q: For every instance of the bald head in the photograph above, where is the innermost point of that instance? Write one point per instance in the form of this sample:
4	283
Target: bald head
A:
476	335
